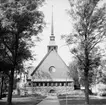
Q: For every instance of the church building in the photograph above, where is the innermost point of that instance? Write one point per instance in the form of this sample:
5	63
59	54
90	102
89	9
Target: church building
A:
52	72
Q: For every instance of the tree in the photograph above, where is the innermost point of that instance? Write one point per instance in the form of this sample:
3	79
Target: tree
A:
21	20
3	84
4	70
101	74
89	30
73	72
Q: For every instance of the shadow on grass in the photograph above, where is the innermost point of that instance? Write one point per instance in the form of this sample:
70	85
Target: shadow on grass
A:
22	103
3	103
81	100
30	100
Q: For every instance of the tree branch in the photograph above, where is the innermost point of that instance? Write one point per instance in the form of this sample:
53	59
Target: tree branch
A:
9	57
7	46
76	55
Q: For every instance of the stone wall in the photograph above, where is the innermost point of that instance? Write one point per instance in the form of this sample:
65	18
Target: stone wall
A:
44	90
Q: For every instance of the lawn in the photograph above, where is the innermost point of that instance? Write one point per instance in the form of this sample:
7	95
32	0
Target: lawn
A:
27	100
80	100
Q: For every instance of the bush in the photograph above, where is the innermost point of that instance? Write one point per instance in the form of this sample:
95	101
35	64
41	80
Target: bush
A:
101	89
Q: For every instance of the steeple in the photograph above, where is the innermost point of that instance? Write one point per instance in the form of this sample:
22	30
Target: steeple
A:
52	25
52	37
52	44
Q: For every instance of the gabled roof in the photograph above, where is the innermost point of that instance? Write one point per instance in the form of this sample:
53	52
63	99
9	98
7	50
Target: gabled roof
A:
62	60
44	59
41	62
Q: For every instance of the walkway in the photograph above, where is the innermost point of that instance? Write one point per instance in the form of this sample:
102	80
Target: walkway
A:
50	100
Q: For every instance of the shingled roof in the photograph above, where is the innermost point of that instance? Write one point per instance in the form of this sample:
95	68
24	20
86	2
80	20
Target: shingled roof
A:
44	59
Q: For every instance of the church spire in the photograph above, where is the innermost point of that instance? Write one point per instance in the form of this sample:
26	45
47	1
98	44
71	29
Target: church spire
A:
52	24
52	44
52	37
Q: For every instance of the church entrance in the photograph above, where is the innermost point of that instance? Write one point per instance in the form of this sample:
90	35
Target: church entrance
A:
52	91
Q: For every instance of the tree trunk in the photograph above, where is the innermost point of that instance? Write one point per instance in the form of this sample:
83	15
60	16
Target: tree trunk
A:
1	87
11	82
86	90
10	90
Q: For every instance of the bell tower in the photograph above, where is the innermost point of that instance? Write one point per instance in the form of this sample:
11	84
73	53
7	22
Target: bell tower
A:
52	45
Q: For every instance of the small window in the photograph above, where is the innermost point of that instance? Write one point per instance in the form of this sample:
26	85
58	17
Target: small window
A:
52	69
29	84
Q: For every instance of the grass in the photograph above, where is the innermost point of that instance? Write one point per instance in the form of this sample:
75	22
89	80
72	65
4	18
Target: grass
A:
80	100
72	99
27	100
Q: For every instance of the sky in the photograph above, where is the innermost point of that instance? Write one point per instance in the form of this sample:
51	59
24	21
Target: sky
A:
62	25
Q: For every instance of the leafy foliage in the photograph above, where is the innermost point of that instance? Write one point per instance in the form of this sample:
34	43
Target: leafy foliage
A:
73	73
18	24
20	20
89	30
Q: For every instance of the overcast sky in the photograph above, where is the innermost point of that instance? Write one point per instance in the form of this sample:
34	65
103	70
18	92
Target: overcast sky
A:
62	25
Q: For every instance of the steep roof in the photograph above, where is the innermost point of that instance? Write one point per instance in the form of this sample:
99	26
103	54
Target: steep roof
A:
41	62
44	60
